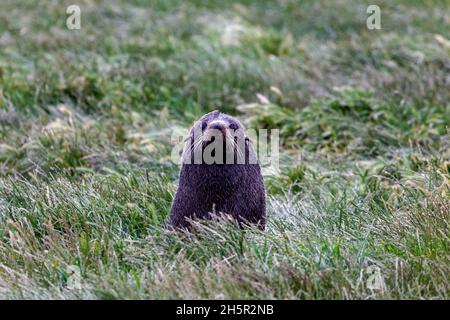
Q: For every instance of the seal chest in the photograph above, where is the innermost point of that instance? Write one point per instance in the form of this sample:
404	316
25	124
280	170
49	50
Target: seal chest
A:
219	174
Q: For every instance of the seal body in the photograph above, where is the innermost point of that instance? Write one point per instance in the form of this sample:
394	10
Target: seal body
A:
208	188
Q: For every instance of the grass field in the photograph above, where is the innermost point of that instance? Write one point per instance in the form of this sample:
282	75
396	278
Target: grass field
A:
86	116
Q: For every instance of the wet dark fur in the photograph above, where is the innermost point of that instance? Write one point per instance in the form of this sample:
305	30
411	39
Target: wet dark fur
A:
235	189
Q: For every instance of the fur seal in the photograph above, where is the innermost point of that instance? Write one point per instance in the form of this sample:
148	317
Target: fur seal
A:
219	174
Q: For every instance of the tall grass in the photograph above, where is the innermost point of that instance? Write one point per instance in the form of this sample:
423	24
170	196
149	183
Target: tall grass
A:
86	180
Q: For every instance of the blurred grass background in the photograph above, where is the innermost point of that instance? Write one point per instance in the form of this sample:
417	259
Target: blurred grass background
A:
85	123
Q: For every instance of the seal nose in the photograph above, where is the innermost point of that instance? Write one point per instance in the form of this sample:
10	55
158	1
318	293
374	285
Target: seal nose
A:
218	126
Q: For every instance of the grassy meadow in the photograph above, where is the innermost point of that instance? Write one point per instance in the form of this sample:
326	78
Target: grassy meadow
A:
86	117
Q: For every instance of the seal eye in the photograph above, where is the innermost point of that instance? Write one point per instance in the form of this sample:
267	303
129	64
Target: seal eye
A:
204	124
233	126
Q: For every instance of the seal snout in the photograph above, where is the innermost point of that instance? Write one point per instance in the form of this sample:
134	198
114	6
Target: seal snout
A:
219	126
215	131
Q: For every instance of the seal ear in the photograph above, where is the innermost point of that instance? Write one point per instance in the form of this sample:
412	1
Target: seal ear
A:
248	142
250	154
